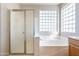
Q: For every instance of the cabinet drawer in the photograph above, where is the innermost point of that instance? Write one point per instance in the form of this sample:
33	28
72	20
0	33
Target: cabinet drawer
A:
74	41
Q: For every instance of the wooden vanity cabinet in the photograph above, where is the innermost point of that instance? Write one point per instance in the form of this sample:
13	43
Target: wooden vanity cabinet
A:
73	47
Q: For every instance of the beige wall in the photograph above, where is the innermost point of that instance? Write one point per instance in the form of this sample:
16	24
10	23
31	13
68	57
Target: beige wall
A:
5	21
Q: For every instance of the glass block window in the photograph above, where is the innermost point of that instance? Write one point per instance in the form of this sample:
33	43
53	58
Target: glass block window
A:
68	18
48	21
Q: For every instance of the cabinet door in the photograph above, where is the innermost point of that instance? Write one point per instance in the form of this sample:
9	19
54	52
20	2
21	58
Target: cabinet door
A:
29	32
74	50
17	32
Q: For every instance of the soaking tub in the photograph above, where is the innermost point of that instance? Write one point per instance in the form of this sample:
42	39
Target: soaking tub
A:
53	41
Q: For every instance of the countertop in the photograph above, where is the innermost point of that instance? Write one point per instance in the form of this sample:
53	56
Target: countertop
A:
74	37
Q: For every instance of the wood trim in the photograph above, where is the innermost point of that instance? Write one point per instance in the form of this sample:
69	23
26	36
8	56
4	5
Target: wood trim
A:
21	54
53	51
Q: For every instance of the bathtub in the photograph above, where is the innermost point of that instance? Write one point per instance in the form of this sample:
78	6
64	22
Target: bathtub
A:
53	41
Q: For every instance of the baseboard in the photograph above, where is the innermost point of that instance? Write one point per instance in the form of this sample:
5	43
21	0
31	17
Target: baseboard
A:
4	54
